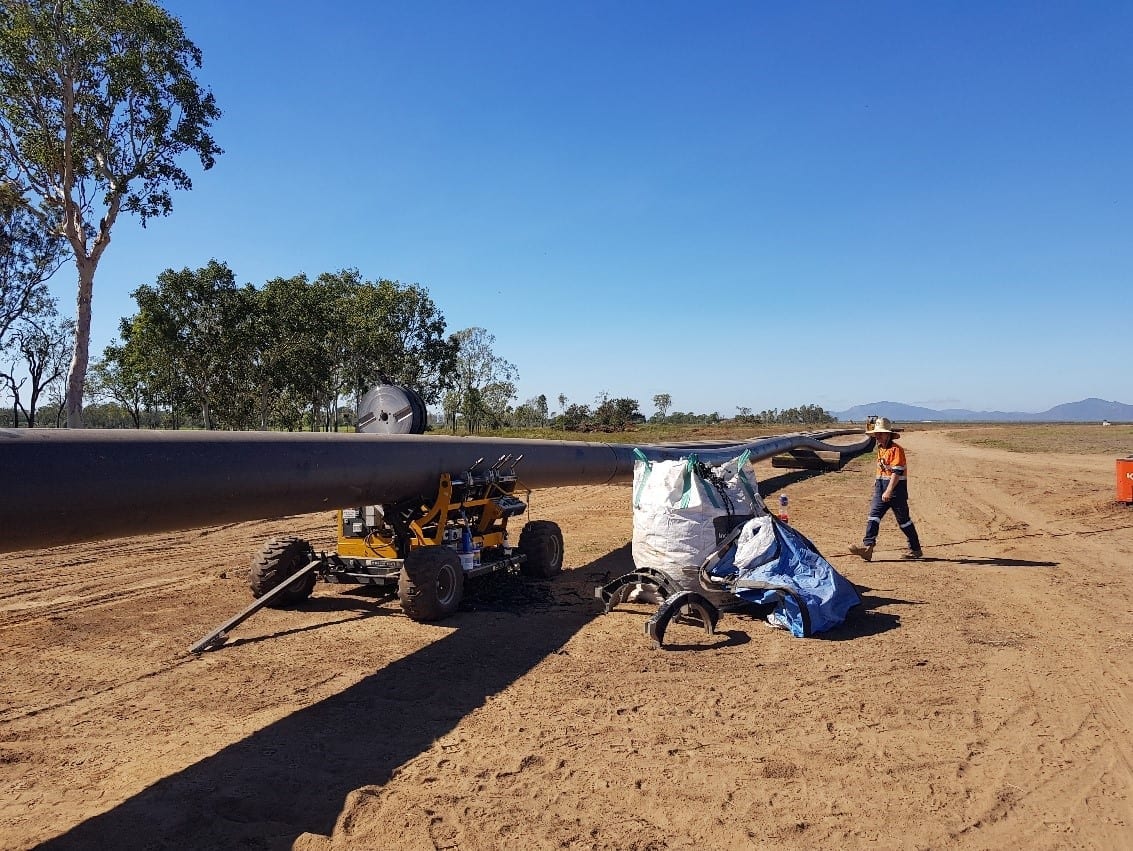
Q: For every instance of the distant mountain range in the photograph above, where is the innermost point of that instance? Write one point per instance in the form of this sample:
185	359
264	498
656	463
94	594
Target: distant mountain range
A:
1086	411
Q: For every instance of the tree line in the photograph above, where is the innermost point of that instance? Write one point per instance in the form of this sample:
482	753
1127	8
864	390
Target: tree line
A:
279	356
293	353
621	414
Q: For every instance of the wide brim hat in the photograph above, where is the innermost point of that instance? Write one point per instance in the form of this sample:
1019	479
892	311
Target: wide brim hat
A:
882	425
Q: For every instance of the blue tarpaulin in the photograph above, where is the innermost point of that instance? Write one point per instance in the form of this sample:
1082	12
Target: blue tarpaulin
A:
775	564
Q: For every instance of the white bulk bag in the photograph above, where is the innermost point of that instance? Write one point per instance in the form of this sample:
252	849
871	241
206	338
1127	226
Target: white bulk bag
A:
675	508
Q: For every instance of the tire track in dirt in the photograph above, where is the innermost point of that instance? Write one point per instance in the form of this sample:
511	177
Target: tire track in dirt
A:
94	697
68	580
81	601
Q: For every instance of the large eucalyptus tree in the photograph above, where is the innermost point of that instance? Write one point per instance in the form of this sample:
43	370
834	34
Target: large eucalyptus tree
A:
98	101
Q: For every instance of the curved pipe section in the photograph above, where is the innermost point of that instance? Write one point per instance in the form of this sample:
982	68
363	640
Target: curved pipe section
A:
66	486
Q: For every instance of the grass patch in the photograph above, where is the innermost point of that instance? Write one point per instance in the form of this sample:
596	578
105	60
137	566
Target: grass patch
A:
1074	439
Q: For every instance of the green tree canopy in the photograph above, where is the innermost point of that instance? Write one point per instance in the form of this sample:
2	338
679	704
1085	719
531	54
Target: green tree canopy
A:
616	414
185	325
281	356
484	382
121	377
393	332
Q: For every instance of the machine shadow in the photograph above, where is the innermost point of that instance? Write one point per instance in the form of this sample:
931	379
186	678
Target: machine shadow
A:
350	604
356	615
293	776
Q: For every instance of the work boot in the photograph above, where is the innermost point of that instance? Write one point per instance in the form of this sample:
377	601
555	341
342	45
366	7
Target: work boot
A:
862	551
913	555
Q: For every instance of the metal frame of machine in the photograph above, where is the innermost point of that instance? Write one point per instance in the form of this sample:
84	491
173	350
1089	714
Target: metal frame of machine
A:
426	549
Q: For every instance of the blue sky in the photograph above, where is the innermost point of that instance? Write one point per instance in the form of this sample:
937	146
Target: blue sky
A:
738	204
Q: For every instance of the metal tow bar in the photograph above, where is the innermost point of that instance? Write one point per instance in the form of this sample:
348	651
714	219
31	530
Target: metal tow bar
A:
219	635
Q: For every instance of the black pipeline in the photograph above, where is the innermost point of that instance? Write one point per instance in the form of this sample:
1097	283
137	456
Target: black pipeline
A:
64	486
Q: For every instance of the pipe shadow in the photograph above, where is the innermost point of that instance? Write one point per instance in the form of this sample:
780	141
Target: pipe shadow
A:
773	484
294	775
496	592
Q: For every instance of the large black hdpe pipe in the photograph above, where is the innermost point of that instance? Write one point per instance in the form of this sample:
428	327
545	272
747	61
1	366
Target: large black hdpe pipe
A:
62	486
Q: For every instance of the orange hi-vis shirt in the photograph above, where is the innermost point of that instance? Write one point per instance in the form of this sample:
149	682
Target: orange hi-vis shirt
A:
890	461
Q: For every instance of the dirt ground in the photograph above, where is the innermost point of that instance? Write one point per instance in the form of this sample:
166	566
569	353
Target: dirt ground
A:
979	699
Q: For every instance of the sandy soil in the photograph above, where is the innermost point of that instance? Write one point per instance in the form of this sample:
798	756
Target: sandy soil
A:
980	699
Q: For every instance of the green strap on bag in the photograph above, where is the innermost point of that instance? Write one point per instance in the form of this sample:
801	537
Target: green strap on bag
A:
686	496
686	481
640	456
742	462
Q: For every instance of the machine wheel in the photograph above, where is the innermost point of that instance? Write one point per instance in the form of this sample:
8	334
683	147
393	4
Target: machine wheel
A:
542	542
431	584
280	558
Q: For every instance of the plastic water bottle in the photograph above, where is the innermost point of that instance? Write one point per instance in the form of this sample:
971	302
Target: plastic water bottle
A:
467	552
783	517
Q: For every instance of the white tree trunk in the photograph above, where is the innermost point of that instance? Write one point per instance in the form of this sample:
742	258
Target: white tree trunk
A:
77	374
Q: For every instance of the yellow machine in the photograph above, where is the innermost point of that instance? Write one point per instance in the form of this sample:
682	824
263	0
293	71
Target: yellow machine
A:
426	547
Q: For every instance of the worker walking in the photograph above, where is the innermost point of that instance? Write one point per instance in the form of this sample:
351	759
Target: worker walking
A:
890	490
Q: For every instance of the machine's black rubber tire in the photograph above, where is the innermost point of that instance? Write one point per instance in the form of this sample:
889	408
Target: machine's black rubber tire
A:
431	584
542	542
279	559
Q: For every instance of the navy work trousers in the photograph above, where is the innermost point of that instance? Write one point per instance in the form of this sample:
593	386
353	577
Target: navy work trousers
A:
899	502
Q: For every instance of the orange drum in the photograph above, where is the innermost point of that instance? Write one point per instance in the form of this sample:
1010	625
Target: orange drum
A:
1125	479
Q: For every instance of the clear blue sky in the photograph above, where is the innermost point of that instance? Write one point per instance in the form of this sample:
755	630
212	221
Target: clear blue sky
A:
739	204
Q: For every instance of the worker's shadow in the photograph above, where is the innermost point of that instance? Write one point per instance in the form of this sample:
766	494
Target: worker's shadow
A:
990	561
293	776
